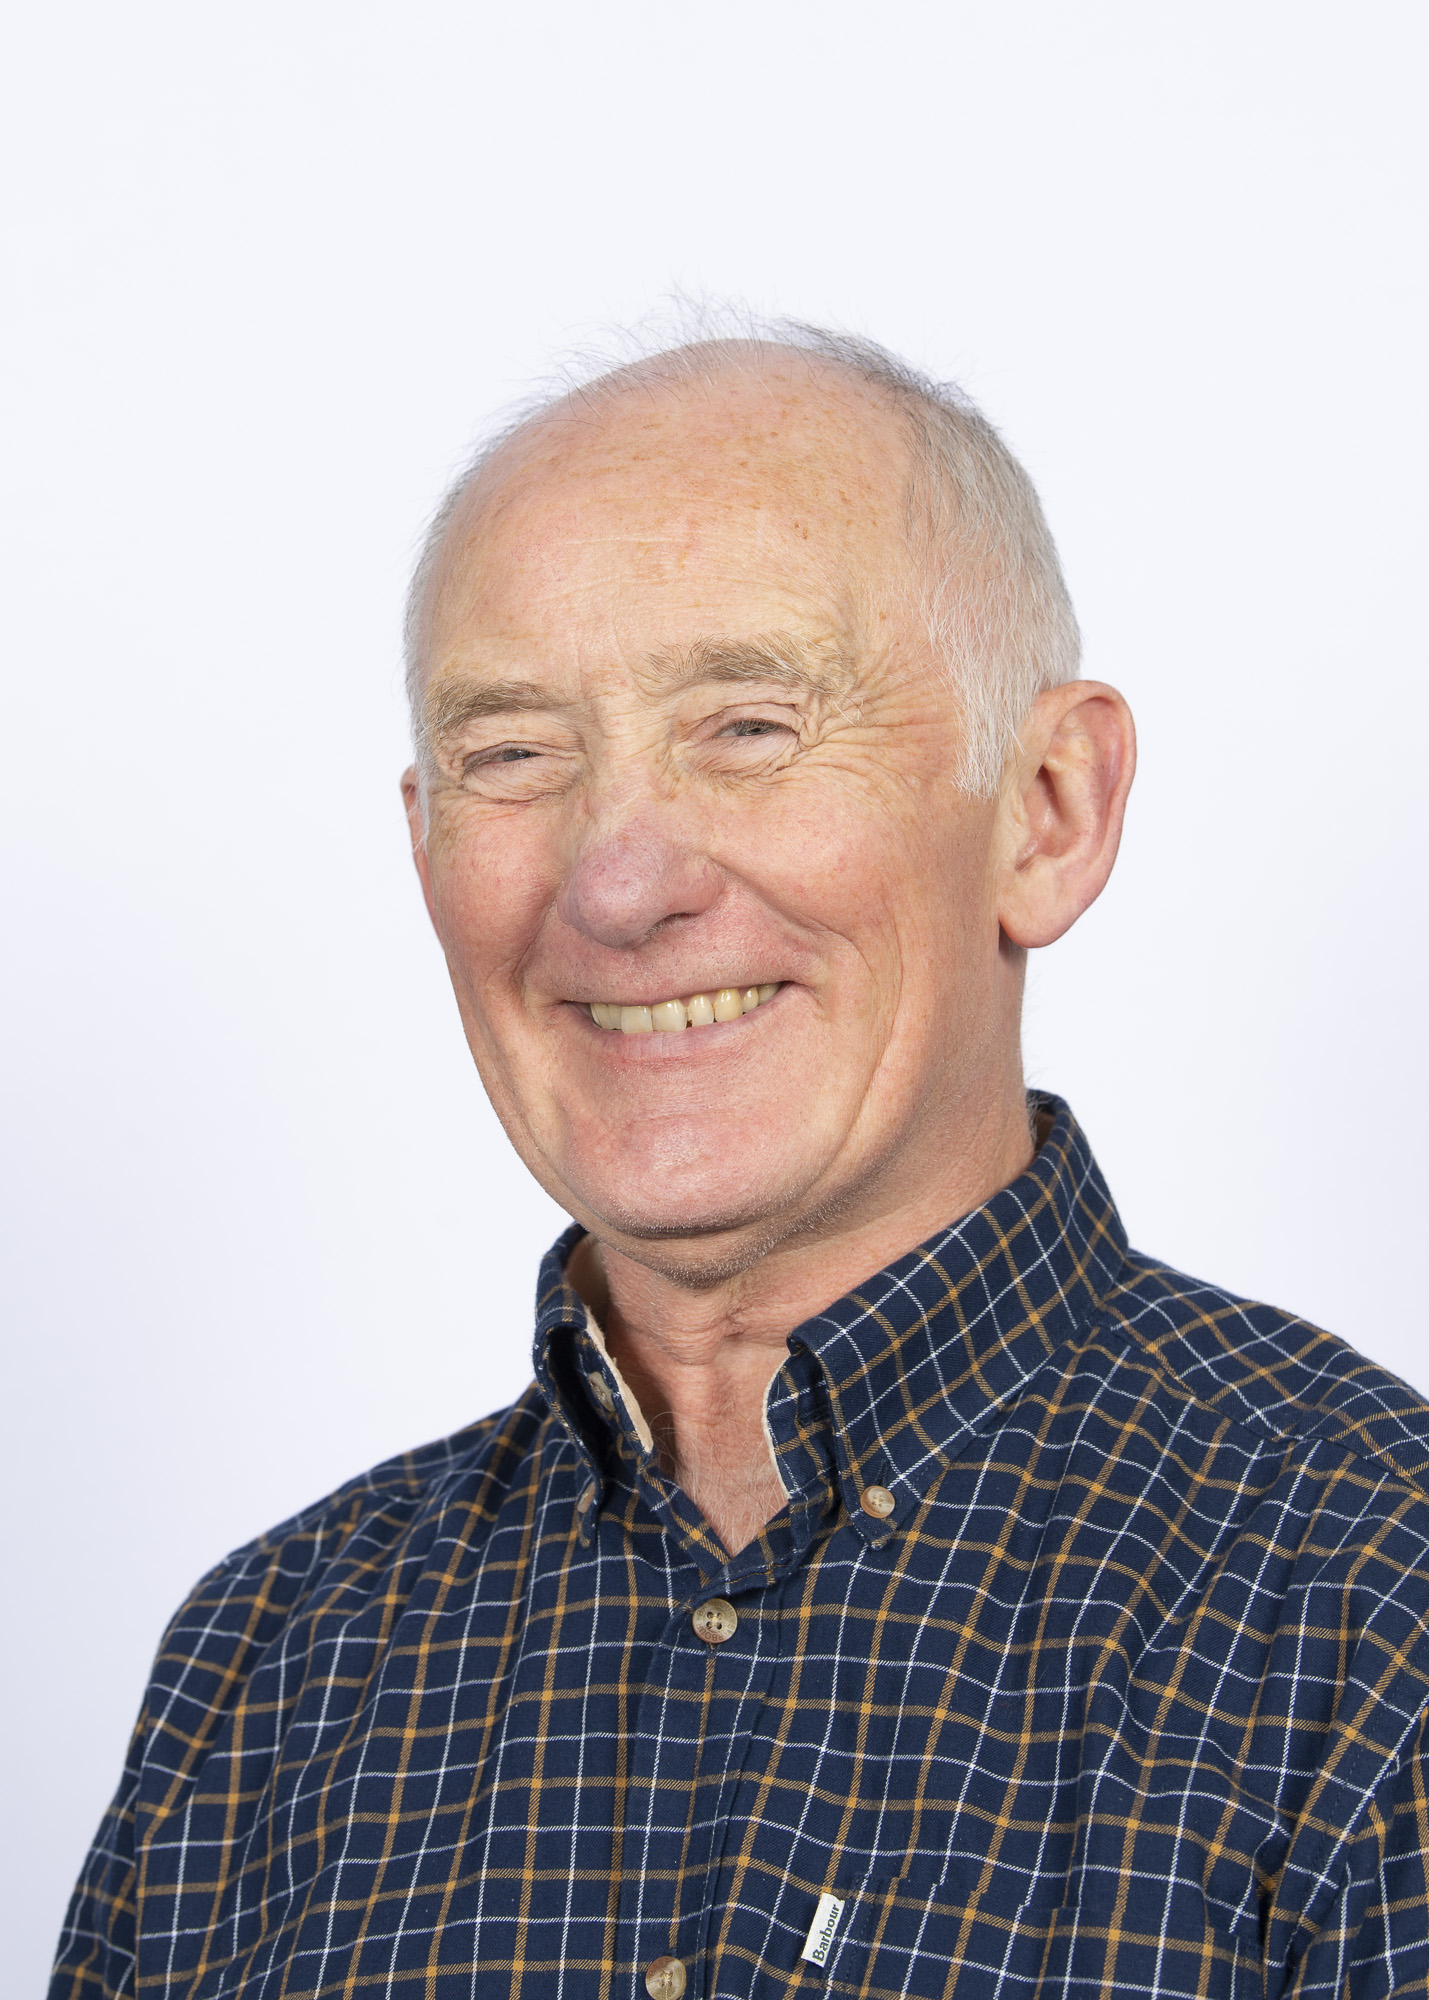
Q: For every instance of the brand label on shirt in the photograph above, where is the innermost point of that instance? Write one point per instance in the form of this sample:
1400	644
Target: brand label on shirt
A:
819	1942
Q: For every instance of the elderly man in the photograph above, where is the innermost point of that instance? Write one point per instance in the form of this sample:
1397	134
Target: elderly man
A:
891	1584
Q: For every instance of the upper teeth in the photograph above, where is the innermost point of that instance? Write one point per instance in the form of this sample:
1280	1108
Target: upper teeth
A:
698	1011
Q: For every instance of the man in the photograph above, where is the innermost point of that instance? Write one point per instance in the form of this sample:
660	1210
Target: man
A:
891	1584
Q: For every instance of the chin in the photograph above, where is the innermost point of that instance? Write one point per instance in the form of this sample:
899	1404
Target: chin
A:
671	1174
698	1209
700	1229
697	1255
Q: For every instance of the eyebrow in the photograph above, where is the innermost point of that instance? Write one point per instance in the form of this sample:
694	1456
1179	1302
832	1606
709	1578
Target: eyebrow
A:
453	703
777	656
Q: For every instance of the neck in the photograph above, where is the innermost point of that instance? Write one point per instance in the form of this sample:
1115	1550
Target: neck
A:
698	1356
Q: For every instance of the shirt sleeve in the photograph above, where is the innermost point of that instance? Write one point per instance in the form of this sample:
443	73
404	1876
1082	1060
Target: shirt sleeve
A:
96	1951
1374	1939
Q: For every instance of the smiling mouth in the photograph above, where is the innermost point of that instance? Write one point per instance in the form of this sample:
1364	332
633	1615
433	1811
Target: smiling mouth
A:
700	1010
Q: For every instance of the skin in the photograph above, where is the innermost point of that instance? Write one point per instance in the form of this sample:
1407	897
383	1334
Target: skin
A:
687	733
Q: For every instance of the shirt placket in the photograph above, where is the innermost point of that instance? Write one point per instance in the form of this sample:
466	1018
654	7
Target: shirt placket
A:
696	1720
693	1727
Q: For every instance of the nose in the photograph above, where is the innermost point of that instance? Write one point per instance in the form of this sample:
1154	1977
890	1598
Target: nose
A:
632	874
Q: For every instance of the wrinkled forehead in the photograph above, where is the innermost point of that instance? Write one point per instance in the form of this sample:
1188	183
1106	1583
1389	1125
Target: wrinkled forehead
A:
794	477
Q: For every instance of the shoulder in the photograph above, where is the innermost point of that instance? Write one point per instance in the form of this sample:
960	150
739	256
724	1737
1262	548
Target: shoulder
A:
359	1544
390	1496
1269	1371
1296	1472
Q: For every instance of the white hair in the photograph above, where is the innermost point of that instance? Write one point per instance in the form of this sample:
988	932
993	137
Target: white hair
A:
996	608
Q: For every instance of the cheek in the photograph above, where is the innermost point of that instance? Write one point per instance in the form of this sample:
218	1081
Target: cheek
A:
490	889
887	877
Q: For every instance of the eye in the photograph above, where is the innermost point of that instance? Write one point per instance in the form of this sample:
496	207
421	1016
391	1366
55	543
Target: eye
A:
745	742
508	773
501	753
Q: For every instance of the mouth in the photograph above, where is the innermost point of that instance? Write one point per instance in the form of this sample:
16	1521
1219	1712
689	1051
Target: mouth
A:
670	1017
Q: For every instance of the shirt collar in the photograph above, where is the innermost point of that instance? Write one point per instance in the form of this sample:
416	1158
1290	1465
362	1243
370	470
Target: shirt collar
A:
914	1360
922	1355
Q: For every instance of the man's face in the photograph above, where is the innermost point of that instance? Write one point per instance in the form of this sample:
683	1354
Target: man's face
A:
688	740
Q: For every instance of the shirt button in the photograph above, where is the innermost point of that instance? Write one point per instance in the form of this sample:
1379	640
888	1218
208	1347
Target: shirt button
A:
583	1505
600	1389
664	1979
878	1501
715	1621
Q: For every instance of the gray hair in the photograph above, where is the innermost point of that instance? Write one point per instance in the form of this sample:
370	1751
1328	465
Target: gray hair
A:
996	608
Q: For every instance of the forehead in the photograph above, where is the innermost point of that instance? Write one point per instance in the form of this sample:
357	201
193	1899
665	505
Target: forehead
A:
774	497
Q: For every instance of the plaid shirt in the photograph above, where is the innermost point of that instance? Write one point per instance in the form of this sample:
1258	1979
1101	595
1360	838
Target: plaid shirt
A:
1125	1694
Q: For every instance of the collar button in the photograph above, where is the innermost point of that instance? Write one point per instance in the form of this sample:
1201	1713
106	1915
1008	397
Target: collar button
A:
877	1501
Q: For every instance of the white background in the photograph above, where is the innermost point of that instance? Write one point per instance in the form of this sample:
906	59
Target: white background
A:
270	268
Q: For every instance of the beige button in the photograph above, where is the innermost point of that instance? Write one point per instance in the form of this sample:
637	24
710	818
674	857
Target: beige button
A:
664	1979
878	1501
600	1389
715	1621
583	1504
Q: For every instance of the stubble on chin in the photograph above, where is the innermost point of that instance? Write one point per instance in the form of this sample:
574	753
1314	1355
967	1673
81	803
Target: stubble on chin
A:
702	1256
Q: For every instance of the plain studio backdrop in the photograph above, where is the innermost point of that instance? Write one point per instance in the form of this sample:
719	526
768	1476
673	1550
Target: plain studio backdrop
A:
270	269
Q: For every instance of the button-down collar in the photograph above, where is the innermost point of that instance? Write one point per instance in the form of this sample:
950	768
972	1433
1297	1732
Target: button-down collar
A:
905	1367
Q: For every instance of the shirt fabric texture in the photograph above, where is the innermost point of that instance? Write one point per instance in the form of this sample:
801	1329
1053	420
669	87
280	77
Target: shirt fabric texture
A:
1126	1694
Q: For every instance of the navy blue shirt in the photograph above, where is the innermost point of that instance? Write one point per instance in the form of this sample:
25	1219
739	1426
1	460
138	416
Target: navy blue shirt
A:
1089	1654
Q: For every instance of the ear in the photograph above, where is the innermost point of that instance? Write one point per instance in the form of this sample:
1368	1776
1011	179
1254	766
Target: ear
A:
417	828
1061	809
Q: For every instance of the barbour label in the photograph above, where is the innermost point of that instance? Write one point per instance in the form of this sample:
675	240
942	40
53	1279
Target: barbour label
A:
821	1931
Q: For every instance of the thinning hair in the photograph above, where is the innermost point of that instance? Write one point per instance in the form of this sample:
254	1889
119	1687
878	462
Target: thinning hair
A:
995	606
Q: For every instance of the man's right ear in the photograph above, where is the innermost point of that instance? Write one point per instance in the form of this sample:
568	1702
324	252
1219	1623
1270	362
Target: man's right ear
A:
417	828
